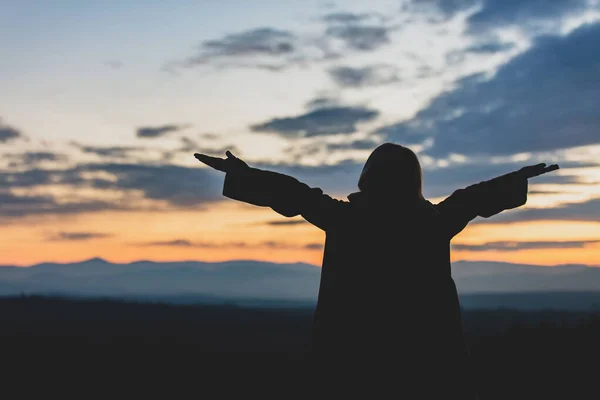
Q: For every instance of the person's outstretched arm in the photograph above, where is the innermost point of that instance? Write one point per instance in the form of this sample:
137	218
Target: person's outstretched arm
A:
284	194
488	198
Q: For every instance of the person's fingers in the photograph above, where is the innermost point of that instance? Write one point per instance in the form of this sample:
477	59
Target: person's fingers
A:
235	160
532	170
213	162
539	169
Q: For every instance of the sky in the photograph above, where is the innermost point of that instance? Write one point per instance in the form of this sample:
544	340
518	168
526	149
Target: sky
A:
102	106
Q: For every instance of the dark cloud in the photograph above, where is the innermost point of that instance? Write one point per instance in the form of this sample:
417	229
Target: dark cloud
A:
78	236
322	102
446	7
489	47
314	246
33	158
335	179
524	13
170	243
110	151
360	37
346	17
342	178
273	49
315	147
17	206
8	133
286	222
279	47
212	245
361	144
532	15
358	32
516	246
319	122
443	181
585	211
542	100
373	75
157	131
256	41
179	187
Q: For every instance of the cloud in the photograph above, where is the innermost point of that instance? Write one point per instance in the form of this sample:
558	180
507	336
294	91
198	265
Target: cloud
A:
490	47
157	131
286	222
263	48
299	151
319	122
314	246
17	206
584	211
342	178
516	246
179	186
170	243
225	245
78	236
346	17
173	186
322	102
274	49
481	48
541	100
252	42
373	75
361	144
531	14
335	179
110	151
360	37
8	133
30	159
442	181
487	15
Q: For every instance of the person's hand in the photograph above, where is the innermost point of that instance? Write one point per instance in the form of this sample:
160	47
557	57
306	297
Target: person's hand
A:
221	164
536	170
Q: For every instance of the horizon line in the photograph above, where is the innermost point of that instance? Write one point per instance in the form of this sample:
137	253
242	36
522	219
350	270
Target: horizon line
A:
102	259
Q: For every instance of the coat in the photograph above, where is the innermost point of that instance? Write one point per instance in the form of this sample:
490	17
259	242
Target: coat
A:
386	291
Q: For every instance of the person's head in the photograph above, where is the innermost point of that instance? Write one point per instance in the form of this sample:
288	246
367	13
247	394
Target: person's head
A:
392	170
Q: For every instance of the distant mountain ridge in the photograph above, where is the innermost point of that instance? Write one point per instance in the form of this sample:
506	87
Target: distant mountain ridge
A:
272	283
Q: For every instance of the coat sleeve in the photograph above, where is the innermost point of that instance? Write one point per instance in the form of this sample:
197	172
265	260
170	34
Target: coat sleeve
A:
483	199
284	194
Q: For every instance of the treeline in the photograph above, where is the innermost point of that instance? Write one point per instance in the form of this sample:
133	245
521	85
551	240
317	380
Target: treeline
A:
513	352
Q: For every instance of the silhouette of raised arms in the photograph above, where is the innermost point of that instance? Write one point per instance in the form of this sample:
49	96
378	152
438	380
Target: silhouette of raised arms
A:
488	198
290	197
284	194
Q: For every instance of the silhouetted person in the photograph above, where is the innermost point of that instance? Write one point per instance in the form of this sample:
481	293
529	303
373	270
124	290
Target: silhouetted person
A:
388	307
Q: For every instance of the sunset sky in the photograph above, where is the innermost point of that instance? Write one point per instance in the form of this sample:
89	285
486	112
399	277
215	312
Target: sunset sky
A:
102	105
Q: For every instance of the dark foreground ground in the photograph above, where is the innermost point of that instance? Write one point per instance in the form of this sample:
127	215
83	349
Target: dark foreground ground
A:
531	355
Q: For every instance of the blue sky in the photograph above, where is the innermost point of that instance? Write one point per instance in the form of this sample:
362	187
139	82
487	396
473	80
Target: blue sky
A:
103	104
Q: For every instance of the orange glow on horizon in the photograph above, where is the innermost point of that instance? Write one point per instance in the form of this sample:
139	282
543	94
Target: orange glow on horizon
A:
214	235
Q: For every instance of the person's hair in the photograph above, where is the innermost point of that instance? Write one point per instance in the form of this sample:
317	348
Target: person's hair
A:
394	170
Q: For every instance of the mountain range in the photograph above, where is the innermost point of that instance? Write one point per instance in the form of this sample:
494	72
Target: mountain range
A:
480	283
